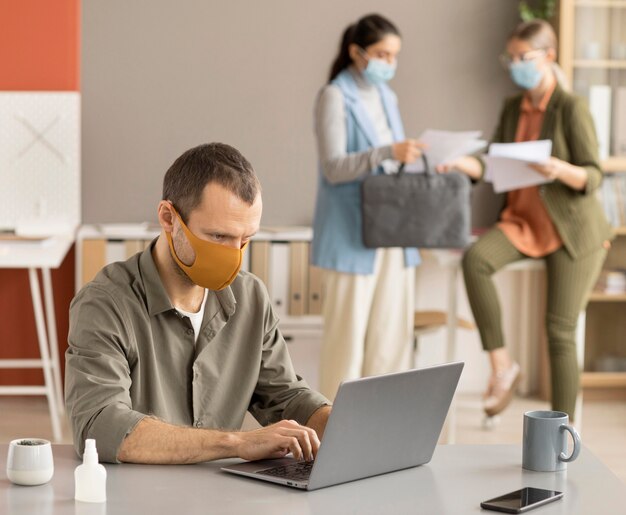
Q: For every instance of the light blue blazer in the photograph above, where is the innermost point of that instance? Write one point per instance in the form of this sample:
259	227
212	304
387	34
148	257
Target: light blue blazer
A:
337	224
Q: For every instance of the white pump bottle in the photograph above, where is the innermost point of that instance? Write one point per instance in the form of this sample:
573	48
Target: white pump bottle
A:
90	477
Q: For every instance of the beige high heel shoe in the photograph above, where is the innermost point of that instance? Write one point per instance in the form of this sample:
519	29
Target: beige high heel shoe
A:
501	389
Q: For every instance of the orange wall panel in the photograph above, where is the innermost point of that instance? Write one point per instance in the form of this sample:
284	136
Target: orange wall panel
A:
39	51
39	45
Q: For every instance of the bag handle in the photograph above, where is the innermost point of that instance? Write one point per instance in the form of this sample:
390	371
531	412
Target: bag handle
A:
427	171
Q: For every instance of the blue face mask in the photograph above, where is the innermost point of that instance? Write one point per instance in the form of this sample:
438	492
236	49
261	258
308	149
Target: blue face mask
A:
378	71
525	74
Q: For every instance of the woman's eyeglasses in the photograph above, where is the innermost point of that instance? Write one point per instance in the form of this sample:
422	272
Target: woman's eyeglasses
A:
507	59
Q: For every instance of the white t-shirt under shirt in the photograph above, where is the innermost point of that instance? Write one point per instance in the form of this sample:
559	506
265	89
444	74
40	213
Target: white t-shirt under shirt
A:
196	318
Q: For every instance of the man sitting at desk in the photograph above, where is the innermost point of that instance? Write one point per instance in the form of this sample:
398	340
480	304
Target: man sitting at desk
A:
169	349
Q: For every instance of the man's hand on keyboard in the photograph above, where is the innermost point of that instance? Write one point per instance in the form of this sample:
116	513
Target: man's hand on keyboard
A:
277	440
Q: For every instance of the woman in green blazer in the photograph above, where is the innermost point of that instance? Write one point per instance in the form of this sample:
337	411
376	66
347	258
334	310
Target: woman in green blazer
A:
560	221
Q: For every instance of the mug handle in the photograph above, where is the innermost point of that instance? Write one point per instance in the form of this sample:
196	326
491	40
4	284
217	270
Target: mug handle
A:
576	439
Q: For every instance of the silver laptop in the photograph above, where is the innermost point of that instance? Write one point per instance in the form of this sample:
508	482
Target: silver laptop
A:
378	424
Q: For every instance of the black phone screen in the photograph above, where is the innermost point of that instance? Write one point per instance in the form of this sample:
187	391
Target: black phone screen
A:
521	500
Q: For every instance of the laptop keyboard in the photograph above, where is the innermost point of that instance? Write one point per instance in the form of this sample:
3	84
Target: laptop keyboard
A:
299	471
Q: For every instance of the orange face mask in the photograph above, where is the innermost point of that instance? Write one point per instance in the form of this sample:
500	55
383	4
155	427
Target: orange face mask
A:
215	266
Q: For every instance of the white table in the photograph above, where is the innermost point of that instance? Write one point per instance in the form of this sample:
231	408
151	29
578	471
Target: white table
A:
457	479
41	255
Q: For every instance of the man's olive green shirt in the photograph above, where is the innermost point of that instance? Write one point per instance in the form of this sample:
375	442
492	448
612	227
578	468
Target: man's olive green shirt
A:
132	355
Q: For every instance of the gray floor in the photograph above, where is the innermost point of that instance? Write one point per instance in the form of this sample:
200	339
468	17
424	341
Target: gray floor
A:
603	427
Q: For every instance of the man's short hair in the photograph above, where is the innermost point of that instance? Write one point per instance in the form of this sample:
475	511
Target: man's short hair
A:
186	179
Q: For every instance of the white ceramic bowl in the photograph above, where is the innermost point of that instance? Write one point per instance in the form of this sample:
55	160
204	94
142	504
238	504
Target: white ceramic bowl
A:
30	464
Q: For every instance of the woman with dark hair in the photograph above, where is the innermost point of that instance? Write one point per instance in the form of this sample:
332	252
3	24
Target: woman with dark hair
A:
368	293
561	221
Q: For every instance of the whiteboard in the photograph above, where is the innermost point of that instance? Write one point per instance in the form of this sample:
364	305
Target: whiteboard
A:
39	159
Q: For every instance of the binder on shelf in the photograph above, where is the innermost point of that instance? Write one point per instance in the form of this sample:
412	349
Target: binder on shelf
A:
295	288
245	263
279	277
259	260
618	184
600	107
603	197
315	290
298	278
133	246
93	259
619	125
613	199
115	251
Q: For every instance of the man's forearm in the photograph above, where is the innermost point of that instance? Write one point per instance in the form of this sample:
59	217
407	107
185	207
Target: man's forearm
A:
156	442
318	420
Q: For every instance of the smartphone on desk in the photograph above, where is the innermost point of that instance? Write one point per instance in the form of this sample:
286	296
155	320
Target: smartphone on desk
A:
522	500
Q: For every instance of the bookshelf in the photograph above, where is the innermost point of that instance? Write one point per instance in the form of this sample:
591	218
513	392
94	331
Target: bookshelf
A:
605	356
600	63
592	55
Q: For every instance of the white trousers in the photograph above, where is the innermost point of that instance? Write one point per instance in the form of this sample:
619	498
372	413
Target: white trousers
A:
368	321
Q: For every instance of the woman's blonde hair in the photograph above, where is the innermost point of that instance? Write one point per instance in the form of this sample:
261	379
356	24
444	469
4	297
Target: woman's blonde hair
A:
540	35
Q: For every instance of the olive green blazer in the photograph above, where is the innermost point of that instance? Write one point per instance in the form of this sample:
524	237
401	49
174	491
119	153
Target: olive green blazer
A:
577	215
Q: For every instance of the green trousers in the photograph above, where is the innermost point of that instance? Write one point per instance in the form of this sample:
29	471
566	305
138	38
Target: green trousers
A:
569	282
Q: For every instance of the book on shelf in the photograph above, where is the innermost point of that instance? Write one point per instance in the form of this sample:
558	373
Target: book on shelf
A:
619	122
600	107
612	196
612	282
610	363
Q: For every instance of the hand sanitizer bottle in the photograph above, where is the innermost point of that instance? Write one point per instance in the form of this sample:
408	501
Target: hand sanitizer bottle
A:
90	478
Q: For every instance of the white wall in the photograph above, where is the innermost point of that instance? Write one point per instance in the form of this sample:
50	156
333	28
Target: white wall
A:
160	76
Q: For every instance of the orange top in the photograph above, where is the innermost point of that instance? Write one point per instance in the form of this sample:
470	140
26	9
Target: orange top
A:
525	220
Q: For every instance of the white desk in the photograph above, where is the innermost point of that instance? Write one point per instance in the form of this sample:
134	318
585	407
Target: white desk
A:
458	478
43	255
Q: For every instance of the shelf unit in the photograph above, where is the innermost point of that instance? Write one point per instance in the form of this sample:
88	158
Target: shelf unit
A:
605	330
592	52
600	63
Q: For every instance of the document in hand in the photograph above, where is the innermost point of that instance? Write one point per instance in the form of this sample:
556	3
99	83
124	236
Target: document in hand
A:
443	146
507	164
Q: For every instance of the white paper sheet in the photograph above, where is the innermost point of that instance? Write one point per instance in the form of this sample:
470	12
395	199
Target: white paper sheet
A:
530	151
512	174
444	146
507	164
